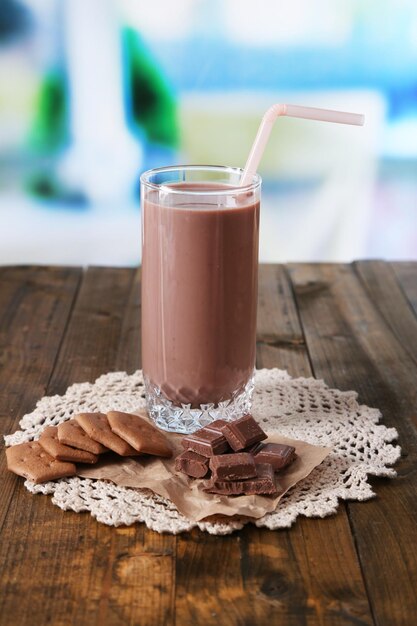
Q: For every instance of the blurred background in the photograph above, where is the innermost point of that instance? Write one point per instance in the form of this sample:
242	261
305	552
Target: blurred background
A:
93	92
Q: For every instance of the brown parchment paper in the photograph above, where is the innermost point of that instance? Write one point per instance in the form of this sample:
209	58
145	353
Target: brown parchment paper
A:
159	475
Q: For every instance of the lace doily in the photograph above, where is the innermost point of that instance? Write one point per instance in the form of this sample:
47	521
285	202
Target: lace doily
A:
299	408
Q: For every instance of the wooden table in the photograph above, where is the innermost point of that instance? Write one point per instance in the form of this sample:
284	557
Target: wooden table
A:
354	326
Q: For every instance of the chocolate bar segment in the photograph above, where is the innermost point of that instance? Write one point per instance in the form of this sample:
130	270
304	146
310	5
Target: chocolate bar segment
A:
264	484
254	448
206	442
192	464
216	426
278	455
243	432
237	466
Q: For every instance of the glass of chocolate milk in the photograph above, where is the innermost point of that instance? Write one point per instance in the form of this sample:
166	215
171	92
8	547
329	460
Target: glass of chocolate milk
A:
200	234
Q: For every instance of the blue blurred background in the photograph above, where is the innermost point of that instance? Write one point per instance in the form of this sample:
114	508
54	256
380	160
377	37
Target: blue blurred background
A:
94	92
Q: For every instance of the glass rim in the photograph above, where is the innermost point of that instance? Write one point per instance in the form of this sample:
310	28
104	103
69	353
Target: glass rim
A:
168	187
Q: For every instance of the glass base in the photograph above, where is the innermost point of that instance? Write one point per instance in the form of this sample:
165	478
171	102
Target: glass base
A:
184	419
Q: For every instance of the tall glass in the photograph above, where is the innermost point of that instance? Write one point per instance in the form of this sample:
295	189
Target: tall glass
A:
200	234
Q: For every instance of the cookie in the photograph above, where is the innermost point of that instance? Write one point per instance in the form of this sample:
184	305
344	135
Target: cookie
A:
97	426
71	434
51	444
31	461
139	433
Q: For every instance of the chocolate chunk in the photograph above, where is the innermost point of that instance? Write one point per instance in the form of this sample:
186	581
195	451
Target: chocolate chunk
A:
264	484
243	432
233	466
206	442
254	448
276	454
192	464
216	426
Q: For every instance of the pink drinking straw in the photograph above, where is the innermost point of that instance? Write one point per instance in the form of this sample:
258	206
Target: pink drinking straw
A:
290	110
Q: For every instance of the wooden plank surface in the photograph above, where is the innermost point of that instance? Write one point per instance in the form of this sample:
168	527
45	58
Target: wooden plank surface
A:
352	346
385	292
280	338
35	305
58	326
307	575
406	274
65	565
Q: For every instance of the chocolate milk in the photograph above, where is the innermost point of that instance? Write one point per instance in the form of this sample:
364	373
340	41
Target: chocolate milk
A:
199	293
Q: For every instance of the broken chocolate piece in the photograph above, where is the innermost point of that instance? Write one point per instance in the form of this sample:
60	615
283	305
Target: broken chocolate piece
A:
276	454
254	448
235	466
243	432
264	484
192	464
216	426
206	442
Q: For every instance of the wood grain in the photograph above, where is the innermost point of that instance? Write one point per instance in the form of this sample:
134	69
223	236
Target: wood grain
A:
382	287
280	339
91	343
65	568
406	273
352	347
129	352
352	326
319	558
307	575
35	304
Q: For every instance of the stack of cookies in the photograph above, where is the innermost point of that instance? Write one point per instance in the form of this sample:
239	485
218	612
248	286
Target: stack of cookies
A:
233	459
82	440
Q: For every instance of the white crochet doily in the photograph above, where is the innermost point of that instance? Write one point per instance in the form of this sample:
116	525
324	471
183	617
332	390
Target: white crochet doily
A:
299	408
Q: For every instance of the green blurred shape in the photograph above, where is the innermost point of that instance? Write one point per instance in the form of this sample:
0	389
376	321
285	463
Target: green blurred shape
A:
153	105
49	134
150	102
50	129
